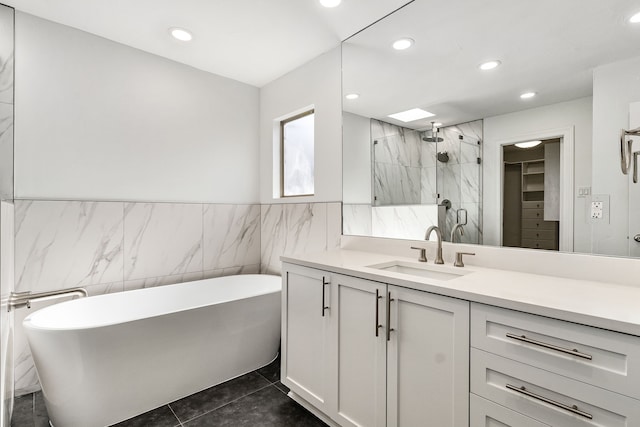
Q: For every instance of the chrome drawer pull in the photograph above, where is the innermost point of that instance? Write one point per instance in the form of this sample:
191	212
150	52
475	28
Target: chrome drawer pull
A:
389	328
378	326
324	305
573	352
573	409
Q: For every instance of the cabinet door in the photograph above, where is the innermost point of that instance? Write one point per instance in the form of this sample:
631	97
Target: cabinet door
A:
428	360
306	343
359	310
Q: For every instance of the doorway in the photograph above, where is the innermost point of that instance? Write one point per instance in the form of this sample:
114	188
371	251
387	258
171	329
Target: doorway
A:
531	194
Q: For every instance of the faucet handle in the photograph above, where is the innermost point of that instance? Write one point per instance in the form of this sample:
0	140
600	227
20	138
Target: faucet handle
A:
458	262
423	254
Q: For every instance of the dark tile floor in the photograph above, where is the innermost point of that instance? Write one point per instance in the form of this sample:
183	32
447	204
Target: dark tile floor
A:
255	399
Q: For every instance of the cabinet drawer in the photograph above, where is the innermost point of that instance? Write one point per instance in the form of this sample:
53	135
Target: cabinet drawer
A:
485	413
538	244
538	224
530	234
533	213
532	205
547	397
610	360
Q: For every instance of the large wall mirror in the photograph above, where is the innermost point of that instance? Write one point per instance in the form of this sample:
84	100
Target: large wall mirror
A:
504	123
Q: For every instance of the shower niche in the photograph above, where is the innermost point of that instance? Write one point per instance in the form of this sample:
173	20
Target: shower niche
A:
431	176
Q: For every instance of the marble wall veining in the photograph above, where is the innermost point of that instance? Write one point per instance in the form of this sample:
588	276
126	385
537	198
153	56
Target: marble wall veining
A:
400	222
397	164
67	244
297	227
7	55
115	246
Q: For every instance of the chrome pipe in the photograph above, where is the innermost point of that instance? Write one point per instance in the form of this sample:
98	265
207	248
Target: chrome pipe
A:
23	299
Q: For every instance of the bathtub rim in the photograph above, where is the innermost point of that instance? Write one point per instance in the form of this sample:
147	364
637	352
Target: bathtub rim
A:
27	323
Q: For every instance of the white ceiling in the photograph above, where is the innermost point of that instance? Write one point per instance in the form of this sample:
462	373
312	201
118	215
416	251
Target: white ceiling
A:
252	41
547	46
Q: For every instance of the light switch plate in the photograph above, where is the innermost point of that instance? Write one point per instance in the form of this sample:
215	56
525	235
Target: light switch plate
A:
583	192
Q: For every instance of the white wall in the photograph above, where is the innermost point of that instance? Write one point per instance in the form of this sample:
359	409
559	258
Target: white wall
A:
99	120
316	84
357	159
615	86
497	129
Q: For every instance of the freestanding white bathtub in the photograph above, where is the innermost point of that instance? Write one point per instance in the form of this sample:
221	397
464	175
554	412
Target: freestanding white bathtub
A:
104	359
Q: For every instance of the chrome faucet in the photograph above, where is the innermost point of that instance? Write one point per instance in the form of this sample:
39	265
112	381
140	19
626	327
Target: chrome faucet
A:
453	232
438	259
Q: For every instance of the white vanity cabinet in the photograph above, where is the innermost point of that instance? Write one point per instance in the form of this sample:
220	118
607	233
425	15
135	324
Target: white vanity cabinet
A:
558	373
361	357
363	352
307	338
427	360
414	374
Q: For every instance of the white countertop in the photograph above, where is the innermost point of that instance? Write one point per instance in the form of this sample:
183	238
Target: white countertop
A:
604	305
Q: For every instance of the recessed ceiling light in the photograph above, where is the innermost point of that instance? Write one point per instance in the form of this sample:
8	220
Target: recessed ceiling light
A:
352	96
403	44
437	124
411	115
490	65
330	3
528	144
181	34
528	95
635	18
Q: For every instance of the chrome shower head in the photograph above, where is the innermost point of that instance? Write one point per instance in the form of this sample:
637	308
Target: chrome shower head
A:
434	134
432	139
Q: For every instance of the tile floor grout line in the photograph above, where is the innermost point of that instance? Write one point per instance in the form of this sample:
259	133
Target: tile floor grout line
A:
228	403
174	414
282	391
268	380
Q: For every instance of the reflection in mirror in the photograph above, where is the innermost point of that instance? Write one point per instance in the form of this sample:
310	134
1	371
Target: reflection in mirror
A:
578	59
531	194
6	102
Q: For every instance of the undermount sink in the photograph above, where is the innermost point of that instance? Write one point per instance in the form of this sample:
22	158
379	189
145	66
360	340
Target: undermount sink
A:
415	269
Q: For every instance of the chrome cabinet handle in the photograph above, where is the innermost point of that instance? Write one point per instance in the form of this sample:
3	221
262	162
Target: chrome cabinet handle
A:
389	328
324	306
378	326
573	408
573	352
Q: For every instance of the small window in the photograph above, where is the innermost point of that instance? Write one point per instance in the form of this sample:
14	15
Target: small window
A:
296	155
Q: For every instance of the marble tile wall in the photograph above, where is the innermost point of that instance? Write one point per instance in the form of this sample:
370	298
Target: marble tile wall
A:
114	246
6	102
396	164
459	179
6	210
356	219
403	222
7	319
300	227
